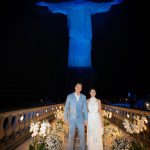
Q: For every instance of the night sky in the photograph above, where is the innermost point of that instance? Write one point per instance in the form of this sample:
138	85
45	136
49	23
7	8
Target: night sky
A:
34	51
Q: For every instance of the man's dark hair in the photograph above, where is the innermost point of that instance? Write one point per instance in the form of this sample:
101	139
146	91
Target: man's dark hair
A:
92	89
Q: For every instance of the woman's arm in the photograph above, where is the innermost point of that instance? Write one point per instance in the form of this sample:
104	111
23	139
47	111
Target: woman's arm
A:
87	104
100	112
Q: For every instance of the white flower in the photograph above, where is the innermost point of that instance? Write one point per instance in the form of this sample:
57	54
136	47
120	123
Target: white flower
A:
51	135
59	114
54	142
106	114
121	144
44	129
34	127
137	126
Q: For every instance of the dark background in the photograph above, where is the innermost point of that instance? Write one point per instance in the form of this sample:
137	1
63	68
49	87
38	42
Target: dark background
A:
34	49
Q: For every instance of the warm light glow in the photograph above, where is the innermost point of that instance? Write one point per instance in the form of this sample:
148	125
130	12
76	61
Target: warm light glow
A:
146	121
21	118
128	115
37	114
147	105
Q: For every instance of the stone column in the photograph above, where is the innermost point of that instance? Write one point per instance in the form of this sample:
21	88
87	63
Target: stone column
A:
1	127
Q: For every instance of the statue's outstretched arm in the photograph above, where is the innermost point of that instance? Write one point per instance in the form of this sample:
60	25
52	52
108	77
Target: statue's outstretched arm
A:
100	7
60	7
115	2
41	3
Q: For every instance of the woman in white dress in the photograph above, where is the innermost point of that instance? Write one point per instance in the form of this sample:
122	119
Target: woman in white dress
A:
95	126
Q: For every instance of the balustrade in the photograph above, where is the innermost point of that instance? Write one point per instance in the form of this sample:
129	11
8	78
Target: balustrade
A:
14	125
121	113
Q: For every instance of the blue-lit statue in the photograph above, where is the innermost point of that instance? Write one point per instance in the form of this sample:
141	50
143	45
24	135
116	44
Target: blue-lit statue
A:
78	14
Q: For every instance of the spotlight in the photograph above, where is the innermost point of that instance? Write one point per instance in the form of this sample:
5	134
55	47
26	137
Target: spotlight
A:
147	105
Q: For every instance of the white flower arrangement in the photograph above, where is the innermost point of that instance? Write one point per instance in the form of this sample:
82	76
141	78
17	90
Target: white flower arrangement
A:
44	129
54	142
127	126
46	136
106	114
121	144
34	128
40	128
116	139
111	132
135	126
59	114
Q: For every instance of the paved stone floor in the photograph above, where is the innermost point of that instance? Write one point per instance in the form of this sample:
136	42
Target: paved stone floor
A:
25	145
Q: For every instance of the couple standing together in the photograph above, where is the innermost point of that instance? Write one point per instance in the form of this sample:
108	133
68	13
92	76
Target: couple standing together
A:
78	113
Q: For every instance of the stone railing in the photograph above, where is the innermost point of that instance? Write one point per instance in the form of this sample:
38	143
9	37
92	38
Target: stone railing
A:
14	125
121	113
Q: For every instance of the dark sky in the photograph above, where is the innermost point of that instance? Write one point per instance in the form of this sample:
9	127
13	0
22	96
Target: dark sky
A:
35	46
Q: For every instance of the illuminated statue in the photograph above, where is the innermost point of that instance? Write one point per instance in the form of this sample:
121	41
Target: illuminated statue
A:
78	14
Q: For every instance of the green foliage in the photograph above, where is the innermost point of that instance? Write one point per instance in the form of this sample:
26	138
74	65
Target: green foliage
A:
138	146
31	147
37	147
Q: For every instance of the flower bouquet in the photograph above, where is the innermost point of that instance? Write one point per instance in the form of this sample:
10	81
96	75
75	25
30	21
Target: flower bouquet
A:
39	132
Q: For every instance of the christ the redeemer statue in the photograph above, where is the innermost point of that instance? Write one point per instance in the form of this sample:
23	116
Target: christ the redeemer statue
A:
78	14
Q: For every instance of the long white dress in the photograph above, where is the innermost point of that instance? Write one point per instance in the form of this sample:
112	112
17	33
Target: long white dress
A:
94	129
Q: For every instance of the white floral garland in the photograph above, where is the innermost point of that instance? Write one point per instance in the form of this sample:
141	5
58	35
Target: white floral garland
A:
51	136
106	114
135	126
